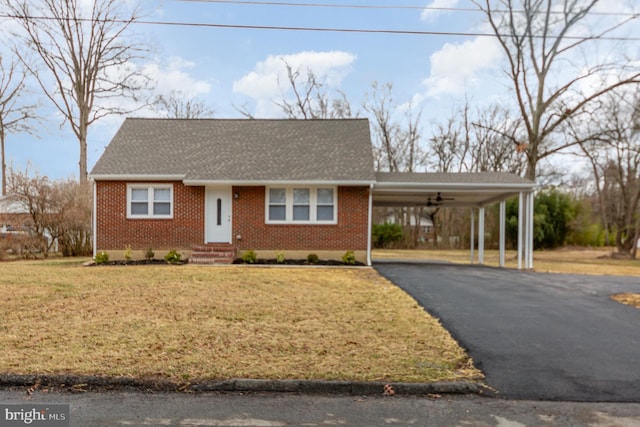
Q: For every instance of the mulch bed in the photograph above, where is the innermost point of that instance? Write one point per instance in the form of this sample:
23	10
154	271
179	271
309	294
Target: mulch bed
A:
236	261
136	262
297	262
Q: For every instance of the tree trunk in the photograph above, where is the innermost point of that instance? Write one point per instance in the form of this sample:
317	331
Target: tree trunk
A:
4	165
83	161
82	140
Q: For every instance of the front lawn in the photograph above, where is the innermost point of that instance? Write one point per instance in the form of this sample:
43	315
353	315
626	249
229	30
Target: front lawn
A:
189	323
571	261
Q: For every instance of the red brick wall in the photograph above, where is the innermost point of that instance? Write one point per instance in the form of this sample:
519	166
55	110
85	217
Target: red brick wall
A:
186	229
350	233
115	231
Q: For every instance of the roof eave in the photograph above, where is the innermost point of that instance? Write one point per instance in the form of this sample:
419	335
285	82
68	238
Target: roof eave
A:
204	182
136	177
450	186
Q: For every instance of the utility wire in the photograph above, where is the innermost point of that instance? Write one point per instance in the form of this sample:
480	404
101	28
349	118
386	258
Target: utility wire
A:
370	6
334	5
314	29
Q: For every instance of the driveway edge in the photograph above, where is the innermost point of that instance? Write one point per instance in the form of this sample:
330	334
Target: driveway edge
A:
80	384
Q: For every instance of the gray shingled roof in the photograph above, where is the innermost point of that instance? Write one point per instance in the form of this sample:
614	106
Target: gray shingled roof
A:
240	150
456	189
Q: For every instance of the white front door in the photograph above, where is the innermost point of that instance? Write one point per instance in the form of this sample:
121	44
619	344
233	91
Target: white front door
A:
218	215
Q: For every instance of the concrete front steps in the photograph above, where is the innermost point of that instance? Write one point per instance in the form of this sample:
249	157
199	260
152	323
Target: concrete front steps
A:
212	254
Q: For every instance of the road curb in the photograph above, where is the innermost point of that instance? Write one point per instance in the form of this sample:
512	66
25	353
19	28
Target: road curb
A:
79	384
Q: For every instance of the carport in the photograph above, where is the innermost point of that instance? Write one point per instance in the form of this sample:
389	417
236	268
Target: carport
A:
474	190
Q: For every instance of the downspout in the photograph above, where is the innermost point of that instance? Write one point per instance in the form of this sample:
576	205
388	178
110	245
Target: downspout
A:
94	220
369	227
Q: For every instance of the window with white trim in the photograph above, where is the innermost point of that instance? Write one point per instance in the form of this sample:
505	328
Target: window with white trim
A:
277	204
150	201
301	205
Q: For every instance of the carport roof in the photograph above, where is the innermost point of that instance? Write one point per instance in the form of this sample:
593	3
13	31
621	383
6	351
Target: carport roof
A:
447	189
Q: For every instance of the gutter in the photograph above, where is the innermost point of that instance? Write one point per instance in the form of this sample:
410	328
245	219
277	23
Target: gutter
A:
412	186
198	182
135	177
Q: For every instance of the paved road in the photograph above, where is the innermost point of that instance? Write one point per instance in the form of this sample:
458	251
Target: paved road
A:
120	409
535	335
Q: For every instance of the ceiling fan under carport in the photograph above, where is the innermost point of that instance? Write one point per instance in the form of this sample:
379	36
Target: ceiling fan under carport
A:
439	200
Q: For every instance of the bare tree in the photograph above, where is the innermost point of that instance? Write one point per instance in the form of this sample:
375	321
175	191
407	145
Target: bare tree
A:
477	141
310	97
538	39
397	146
15	115
615	160
87	59
449	144
178	105
33	195
495	145
59	211
387	150
397	137
472	141
310	100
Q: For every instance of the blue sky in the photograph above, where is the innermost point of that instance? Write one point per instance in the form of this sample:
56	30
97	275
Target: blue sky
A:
233	66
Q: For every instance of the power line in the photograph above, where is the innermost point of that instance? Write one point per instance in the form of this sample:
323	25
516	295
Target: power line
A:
370	6
366	31
334	5
313	29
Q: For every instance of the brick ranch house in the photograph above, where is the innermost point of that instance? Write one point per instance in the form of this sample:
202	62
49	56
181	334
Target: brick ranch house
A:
214	188
232	185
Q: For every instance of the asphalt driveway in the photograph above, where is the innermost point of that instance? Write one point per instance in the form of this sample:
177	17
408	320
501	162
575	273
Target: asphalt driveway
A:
535	335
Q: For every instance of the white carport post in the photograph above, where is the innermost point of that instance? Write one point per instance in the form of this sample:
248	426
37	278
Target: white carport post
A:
529	262
503	211
520	225
525	219
481	235
473	232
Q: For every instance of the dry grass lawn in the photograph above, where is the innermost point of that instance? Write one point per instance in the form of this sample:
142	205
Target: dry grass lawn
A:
576	261
189	323
629	299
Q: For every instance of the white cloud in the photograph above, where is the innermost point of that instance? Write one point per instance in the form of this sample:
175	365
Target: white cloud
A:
173	76
269	77
432	10
168	75
457	65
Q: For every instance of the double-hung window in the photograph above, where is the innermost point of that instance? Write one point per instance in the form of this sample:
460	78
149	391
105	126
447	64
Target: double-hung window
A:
150	201
306	205
325	204
277	204
301	204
